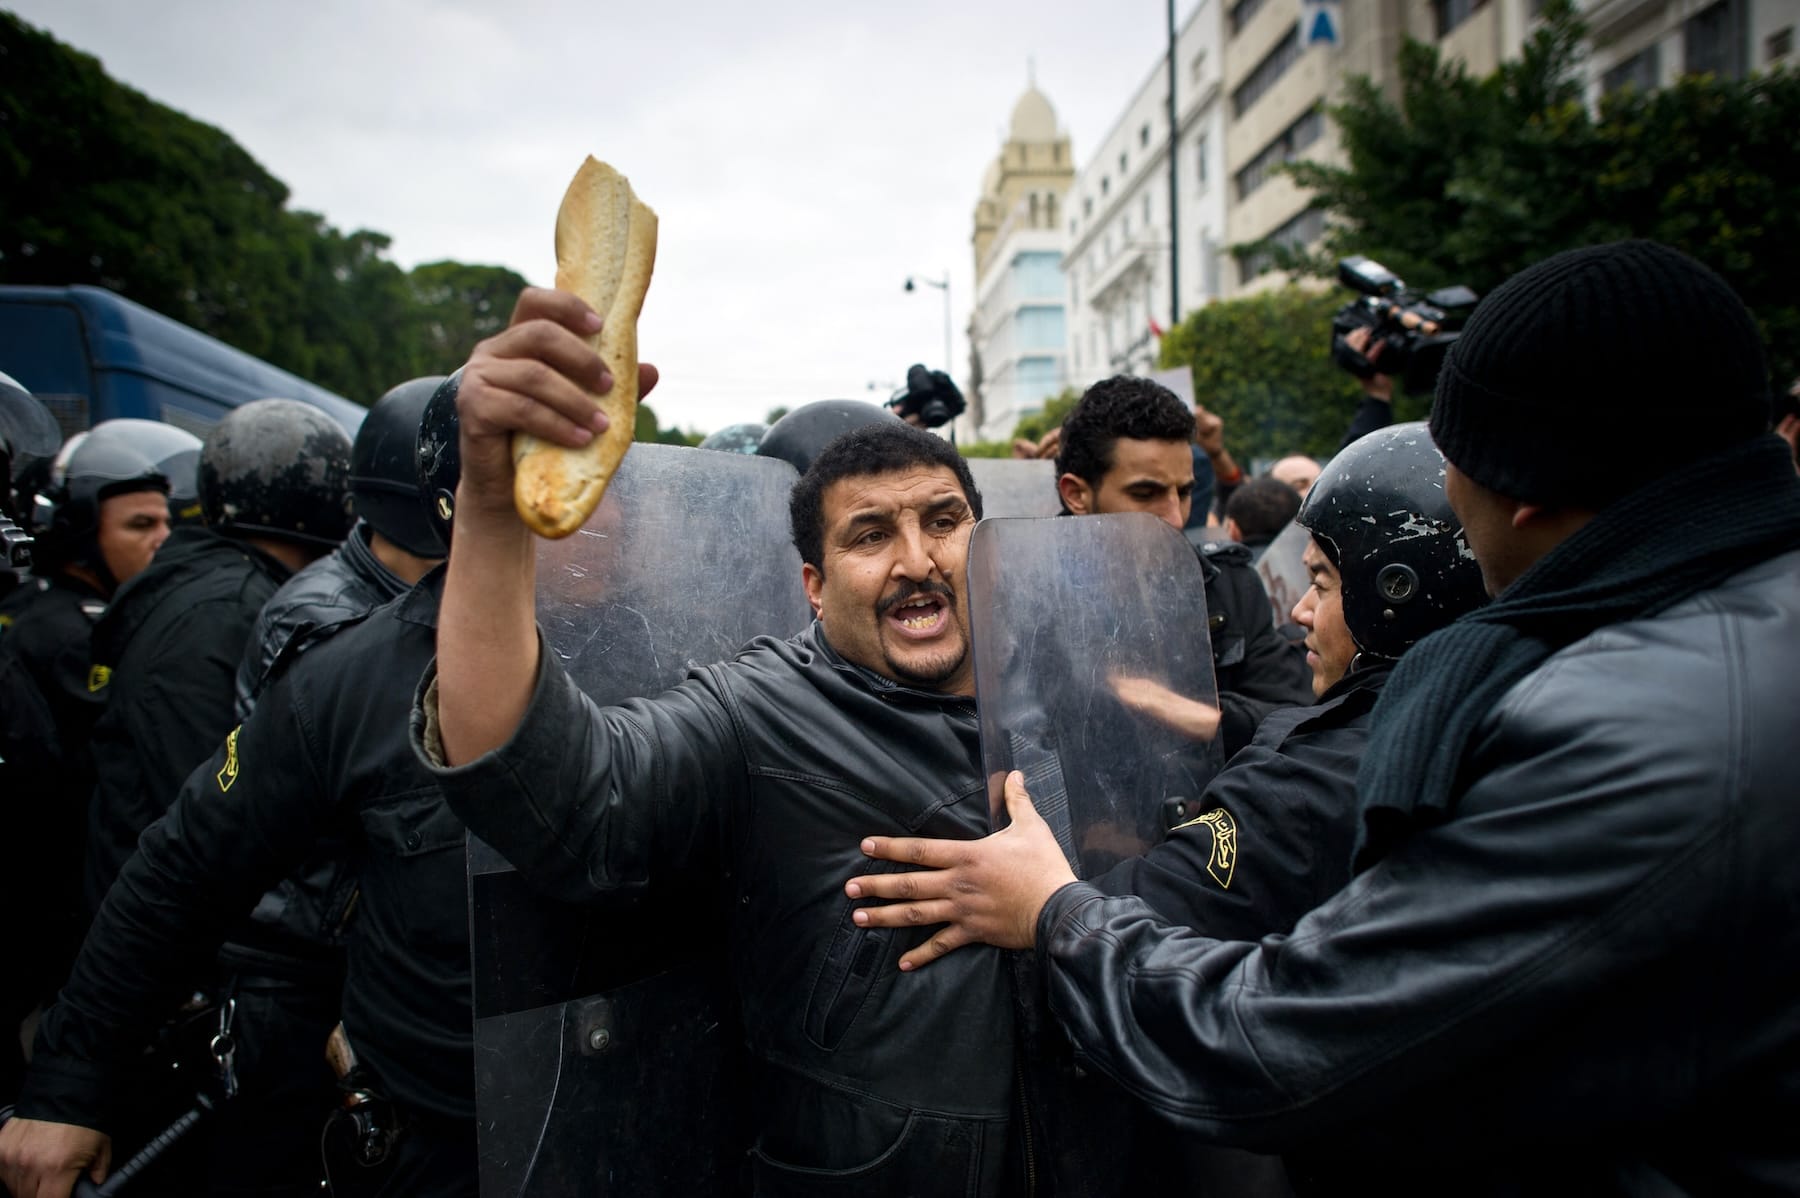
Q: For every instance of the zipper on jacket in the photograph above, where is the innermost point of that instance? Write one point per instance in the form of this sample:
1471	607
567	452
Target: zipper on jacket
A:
1025	1126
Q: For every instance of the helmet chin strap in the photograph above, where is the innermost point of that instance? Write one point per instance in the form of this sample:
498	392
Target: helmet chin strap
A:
1364	659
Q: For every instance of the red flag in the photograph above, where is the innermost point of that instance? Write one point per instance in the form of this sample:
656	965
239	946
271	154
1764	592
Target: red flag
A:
1156	328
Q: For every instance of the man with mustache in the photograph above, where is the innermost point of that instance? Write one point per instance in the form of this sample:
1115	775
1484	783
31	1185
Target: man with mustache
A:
754	779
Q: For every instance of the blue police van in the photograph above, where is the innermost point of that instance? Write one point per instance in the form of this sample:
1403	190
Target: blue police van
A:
91	355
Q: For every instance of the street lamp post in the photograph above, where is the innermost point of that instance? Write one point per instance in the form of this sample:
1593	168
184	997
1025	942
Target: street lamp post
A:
942	285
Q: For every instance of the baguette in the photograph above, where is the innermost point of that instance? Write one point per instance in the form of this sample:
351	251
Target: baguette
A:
605	250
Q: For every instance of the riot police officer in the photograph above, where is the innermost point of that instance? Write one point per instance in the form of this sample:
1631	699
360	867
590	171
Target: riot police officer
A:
323	752
100	517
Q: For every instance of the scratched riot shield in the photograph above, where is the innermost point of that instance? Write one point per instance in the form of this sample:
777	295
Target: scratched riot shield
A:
605	1041
1283	574
1093	676
1015	488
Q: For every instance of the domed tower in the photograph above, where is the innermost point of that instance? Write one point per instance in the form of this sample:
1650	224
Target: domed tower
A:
1017	331
1027	179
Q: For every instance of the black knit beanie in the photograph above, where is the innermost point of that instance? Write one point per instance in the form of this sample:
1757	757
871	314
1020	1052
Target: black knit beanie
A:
1585	376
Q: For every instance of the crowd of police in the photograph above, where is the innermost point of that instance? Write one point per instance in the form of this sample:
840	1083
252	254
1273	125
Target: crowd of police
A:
1476	878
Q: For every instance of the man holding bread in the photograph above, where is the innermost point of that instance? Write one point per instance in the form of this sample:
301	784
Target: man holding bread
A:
757	777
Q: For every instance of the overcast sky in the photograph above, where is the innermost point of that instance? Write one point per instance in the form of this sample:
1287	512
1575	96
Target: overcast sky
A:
805	156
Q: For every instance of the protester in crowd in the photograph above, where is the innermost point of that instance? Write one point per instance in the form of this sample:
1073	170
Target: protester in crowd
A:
1258	511
1569	946
1296	471
745	775
1124	448
1212	463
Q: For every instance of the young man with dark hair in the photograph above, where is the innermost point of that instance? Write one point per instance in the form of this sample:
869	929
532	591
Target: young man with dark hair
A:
1124	448
1567	962
1258	511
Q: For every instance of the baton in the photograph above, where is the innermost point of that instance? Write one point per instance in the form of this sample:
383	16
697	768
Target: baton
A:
123	1176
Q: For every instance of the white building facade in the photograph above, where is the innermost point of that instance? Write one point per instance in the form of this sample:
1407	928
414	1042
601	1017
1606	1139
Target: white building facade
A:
1122	243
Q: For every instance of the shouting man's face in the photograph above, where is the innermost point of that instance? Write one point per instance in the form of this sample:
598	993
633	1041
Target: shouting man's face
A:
890	588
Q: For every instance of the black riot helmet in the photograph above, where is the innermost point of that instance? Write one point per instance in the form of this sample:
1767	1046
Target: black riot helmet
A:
736	438
1378	512
384	468
277	468
440	457
108	460
177	455
798	437
29	435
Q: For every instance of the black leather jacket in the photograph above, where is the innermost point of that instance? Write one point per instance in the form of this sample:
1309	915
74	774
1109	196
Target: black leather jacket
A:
311	907
346	584
760	777
1584	982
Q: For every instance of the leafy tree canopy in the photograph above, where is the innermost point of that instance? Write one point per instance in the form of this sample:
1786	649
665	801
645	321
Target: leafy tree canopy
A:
1460	179
100	184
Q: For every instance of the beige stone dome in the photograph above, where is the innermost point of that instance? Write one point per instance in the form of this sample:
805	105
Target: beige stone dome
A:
1033	119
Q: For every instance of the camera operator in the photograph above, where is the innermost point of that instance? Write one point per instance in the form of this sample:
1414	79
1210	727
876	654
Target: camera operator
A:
930	398
1376	410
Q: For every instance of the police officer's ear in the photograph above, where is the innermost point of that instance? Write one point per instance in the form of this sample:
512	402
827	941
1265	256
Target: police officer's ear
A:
1077	494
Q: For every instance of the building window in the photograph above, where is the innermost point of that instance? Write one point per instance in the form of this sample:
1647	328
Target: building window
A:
1303	230
1125	228
1266	73
1778	46
1641	71
1451	13
1146	210
1087	206
1714	41
1200	161
1105	186
1287	146
1242	13
1144	135
1123	168
1197	68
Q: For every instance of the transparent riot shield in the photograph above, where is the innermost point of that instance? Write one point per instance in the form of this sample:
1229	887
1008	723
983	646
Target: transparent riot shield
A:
1094	676
1283	574
606	1042
1015	488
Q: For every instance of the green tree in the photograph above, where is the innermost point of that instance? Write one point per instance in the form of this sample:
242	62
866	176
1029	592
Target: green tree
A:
100	184
1466	179
1050	416
1263	364
460	305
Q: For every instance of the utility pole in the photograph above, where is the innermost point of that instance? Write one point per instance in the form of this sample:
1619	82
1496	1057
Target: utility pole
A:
1174	210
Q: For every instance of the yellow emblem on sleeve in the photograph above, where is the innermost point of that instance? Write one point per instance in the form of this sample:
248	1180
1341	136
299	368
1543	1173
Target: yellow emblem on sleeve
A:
229	772
1223	862
98	677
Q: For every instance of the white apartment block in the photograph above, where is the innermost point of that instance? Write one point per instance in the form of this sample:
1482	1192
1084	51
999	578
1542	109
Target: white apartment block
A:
1121	241
1277	84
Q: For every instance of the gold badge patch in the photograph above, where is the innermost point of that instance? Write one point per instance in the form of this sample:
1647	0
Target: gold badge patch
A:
229	773
1223	862
98	677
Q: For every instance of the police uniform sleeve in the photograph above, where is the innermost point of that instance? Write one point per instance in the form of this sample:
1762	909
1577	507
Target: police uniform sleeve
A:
241	822
593	803
171	704
1548	889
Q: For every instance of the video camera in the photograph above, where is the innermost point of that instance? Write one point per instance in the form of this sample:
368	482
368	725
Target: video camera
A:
929	395
1410	333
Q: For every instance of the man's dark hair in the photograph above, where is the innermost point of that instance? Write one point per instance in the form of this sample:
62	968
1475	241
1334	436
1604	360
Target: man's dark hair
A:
1262	507
1122	406
882	448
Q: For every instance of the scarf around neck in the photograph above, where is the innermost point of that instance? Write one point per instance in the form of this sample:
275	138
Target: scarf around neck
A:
1681	534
